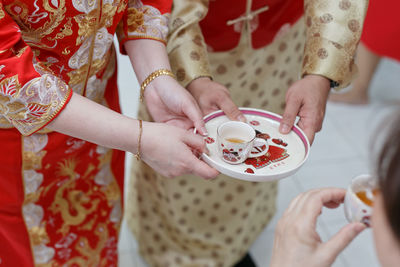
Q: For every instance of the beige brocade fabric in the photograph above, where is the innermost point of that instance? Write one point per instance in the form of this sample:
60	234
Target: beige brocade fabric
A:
186	47
188	221
333	32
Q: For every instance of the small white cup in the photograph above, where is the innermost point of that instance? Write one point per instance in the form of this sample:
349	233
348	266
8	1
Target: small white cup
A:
236	140
355	209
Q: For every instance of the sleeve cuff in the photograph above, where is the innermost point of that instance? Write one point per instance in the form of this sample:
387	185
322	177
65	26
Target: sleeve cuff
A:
189	64
328	59
122	42
39	116
142	22
54	115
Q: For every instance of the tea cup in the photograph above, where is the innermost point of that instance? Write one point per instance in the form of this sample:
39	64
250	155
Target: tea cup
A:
236	140
359	199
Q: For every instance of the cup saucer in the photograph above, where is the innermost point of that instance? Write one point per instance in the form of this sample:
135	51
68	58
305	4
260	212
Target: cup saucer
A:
286	153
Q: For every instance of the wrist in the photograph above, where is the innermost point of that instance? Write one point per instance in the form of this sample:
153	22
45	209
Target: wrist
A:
322	81
198	83
131	136
153	80
198	80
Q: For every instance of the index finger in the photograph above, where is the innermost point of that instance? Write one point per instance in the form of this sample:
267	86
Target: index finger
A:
321	198
311	202
308	131
231	110
192	111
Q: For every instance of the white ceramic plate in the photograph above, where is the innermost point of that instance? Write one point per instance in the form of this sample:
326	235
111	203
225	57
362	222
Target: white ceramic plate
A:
286	154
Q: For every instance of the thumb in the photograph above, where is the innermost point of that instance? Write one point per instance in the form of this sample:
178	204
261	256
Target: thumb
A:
341	240
231	110
199	167
194	141
289	116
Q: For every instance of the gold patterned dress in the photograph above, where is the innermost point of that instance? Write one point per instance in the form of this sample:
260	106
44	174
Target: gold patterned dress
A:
60	197
257	49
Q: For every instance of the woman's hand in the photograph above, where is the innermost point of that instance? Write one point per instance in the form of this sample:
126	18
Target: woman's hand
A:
167	101
296	241
171	151
212	96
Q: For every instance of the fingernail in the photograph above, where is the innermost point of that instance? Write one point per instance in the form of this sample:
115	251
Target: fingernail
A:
284	128
241	118
206	150
204	131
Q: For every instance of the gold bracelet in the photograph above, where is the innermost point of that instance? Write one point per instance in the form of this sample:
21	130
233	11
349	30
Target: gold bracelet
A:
151	77
137	155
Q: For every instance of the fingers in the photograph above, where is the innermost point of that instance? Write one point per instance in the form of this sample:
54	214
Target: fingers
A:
193	112
332	194
185	124
200	168
289	115
308	131
340	240
197	166
311	202
231	110
323	197
294	203
194	141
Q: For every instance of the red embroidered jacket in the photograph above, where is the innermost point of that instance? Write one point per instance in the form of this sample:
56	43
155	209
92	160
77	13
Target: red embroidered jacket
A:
50	48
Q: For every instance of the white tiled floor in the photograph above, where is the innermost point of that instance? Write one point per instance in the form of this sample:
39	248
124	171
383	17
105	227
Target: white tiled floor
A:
340	151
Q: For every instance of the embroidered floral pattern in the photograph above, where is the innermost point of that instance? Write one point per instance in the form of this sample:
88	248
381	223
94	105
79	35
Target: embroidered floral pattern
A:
146	22
135	19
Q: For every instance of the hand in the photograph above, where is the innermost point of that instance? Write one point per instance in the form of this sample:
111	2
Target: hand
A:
169	102
166	100
169	150
296	241
212	96
306	98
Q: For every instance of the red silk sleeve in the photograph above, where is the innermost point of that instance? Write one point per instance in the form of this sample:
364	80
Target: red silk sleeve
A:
30	94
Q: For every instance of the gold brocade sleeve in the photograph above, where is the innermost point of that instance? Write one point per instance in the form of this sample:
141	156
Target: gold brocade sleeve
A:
186	47
333	32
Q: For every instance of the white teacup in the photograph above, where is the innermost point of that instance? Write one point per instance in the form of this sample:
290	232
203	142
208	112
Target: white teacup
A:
359	198
236	140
